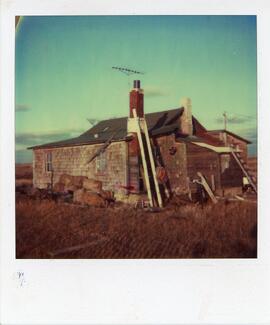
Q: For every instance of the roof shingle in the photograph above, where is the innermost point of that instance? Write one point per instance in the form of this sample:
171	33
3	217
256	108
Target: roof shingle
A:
158	123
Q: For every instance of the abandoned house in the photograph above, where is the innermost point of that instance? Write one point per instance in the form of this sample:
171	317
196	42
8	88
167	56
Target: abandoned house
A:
181	146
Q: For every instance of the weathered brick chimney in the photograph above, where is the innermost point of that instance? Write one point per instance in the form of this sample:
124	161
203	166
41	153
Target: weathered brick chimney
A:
186	118
136	99
135	102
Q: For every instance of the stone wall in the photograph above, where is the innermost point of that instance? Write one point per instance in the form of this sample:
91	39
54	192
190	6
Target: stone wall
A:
175	164
110	167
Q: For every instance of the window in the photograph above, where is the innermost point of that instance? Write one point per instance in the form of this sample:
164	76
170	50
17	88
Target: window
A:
48	162
101	162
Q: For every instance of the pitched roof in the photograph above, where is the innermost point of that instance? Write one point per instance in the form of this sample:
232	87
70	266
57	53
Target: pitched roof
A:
158	123
230	133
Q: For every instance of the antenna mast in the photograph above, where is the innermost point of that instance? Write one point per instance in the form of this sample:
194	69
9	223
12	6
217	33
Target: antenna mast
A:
128	72
225	120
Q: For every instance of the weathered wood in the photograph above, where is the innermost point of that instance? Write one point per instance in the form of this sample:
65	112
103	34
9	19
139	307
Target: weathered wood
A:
204	183
231	174
204	160
245	171
101	149
152	163
138	131
72	161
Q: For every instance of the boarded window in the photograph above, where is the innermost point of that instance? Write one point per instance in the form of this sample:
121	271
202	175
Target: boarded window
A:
48	162
101	162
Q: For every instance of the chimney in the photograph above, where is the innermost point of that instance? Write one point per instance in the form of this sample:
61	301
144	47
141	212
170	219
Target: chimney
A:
135	102
136	99
186	118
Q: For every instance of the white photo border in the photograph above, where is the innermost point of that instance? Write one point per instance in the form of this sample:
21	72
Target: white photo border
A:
179	291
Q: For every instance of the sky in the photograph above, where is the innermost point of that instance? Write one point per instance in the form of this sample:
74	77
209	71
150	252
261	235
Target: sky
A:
64	75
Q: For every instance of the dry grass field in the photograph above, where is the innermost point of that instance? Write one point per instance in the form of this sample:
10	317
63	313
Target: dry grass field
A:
23	174
49	229
46	229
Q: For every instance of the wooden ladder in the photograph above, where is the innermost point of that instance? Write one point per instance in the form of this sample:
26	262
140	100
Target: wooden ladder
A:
141	127
244	168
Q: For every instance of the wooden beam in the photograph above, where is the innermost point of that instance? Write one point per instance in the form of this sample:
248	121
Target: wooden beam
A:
153	167
149	193
204	183
246	173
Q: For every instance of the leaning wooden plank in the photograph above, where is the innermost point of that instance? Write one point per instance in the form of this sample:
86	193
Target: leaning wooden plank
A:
138	127
245	172
153	167
101	149
239	198
207	187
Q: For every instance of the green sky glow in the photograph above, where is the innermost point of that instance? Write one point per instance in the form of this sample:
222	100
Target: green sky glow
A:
64	75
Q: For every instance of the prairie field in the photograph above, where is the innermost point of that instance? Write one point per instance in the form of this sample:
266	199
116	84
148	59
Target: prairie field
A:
49	228
46	229
23	174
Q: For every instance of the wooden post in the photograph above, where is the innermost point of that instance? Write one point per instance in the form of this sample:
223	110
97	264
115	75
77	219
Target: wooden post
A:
143	158
207	187
153	167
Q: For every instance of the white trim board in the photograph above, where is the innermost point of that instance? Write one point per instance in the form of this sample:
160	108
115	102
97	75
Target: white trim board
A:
216	149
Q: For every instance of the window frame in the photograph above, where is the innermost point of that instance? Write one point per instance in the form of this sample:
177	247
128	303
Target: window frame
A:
101	162
48	162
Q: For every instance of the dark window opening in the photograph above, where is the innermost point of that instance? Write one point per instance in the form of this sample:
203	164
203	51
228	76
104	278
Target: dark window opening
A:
48	163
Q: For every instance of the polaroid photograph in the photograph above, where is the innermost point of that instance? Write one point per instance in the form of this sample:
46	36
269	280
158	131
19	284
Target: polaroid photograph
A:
134	141
133	163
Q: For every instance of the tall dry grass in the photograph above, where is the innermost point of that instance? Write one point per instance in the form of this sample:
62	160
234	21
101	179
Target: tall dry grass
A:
44	229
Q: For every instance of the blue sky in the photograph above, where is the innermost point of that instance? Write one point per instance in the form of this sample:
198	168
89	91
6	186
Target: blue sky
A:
64	74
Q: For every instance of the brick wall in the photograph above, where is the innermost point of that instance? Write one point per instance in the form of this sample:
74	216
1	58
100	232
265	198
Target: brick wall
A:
73	161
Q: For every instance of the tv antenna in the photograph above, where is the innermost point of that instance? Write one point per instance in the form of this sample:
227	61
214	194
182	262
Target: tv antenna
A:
127	71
